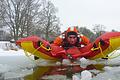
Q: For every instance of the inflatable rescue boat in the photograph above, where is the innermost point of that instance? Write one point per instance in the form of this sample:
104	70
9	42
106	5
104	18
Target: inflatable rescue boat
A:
100	48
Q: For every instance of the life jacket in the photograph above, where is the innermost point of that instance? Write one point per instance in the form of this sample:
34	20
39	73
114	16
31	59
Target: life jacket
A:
62	39
64	36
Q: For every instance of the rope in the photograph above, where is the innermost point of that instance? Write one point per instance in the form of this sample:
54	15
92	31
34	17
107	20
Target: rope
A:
41	46
36	50
99	47
101	52
47	49
29	54
36	63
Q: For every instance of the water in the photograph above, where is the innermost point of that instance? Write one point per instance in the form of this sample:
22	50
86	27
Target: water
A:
64	72
21	68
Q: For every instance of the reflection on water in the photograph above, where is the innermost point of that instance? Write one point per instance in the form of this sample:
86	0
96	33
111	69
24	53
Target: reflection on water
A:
62	72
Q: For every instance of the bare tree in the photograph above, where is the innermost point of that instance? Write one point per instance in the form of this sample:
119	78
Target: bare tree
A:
114	30
48	22
99	29
87	32
24	17
3	28
19	16
2	13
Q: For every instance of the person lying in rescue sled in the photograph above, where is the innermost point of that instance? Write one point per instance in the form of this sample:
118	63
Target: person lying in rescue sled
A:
71	39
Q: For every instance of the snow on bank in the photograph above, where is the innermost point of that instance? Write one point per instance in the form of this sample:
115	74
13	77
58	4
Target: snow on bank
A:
6	45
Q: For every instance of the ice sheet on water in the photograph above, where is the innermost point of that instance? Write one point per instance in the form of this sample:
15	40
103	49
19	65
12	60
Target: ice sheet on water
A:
113	61
86	75
14	65
111	73
4	68
14	72
20	73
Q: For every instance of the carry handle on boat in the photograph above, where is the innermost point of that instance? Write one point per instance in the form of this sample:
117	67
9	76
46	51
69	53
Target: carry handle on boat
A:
41	45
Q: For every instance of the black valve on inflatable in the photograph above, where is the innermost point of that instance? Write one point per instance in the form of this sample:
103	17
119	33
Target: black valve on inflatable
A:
36	58
94	45
102	42
48	47
39	43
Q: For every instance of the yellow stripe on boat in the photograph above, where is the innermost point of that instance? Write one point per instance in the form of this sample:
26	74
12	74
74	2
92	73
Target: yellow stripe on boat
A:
28	46
114	44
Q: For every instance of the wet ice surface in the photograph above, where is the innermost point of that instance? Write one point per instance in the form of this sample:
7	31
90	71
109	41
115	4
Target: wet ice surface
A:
14	65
